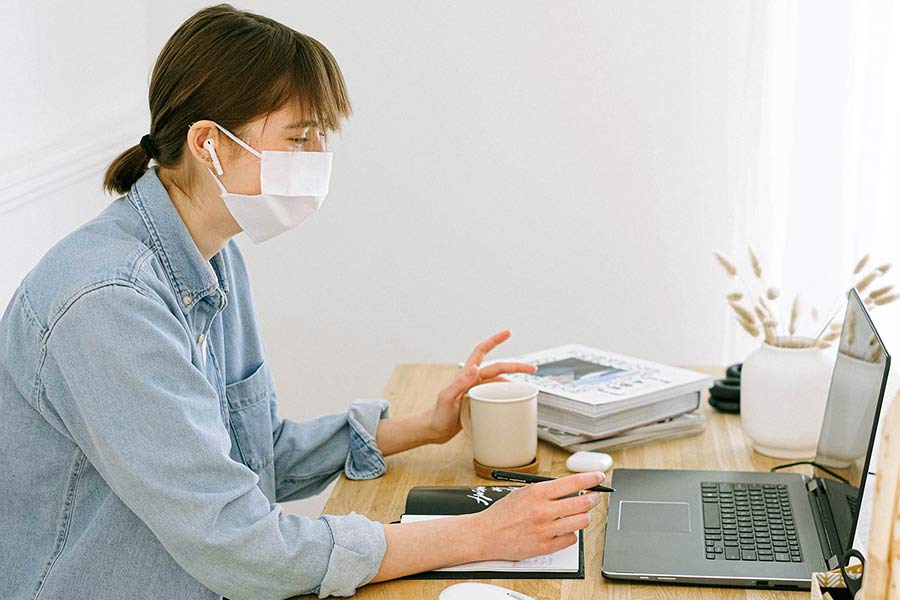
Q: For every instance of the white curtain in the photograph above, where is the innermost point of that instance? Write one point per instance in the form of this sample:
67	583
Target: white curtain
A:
822	186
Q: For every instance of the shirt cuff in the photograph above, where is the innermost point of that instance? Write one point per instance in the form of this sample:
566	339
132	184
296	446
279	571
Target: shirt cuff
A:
359	547
365	460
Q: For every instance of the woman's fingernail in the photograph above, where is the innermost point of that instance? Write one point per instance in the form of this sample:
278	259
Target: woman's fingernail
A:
601	476
595	498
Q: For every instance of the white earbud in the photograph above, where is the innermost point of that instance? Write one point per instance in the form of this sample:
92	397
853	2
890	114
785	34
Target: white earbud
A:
210	146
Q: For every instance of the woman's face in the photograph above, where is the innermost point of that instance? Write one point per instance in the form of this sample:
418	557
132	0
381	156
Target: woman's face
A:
282	130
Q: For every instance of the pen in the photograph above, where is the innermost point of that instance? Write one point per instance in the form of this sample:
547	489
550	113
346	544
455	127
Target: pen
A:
526	478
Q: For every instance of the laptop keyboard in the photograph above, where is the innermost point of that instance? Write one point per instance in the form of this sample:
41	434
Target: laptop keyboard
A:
749	521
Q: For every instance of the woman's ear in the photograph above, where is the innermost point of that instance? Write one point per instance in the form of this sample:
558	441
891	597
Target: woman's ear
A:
199	133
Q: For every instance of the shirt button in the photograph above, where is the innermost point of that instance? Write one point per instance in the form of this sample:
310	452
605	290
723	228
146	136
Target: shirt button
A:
200	338
186	300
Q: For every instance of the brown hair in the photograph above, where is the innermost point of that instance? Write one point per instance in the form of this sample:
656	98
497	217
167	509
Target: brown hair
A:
230	66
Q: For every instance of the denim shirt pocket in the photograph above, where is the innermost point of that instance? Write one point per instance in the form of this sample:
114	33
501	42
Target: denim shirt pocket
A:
251	420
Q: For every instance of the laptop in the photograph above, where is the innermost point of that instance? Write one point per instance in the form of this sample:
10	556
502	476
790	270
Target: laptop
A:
752	529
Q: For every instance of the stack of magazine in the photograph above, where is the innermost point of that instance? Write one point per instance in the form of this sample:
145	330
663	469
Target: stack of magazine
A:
596	400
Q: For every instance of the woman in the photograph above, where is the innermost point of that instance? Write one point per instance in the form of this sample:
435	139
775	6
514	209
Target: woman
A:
142	456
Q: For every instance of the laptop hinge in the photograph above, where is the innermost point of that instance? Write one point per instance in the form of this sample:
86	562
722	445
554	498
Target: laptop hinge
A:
815	491
821	517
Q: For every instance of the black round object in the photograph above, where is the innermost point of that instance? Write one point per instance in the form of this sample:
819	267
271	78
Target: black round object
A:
726	389
725	406
734	371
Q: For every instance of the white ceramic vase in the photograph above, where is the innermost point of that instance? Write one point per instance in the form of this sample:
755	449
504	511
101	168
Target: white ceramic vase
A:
783	395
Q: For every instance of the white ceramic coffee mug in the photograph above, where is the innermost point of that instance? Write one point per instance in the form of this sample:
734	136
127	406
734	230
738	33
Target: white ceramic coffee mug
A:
500	419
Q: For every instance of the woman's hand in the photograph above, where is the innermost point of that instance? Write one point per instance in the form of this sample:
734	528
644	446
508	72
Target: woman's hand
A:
536	519
444	417
530	521
441	422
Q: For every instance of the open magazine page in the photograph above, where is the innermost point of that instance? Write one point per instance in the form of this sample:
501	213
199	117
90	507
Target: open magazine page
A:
599	377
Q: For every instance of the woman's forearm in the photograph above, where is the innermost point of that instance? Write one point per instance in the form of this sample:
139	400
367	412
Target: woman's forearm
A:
397	434
426	545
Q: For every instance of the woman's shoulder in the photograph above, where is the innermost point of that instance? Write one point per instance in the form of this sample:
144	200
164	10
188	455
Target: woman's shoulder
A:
110	248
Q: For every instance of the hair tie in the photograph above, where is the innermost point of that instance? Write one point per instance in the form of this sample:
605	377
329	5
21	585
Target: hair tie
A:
148	146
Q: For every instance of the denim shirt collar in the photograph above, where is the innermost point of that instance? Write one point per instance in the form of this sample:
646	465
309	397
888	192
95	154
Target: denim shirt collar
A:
186	267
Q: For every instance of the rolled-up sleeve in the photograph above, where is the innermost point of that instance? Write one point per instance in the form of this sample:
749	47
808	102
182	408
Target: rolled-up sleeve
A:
118	372
310	454
359	547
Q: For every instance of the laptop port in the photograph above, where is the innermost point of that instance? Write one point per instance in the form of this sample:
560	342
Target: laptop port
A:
762	582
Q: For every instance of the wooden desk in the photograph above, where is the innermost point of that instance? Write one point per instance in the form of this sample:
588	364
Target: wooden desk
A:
414	387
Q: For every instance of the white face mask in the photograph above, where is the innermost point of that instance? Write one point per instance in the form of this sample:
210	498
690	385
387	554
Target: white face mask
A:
293	186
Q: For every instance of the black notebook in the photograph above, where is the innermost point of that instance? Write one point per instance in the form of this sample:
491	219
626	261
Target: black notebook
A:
424	503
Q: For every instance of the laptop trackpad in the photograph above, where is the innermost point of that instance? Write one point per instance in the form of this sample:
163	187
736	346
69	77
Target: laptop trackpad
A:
656	517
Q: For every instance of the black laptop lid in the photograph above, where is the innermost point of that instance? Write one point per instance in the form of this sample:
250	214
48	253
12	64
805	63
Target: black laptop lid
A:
851	416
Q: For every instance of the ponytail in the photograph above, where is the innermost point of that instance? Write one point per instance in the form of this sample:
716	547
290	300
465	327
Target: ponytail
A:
126	170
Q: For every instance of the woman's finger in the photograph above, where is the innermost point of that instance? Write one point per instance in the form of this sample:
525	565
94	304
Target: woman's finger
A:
464	379
486	346
565	507
570	484
562	541
571	523
500	368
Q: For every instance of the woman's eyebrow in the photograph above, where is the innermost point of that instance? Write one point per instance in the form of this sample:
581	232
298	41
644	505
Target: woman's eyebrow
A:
300	124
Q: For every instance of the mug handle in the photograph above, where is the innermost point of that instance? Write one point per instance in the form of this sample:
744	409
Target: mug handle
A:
465	415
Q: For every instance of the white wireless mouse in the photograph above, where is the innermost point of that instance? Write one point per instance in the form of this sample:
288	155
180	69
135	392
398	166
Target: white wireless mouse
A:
480	591
582	462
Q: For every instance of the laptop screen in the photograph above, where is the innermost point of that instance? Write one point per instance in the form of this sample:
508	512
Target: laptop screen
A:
851	415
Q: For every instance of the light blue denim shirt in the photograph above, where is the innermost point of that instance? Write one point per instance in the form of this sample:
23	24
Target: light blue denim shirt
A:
140	451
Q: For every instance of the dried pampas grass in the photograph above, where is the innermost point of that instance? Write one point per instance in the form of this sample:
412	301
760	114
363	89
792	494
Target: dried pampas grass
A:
880	291
826	340
866	281
795	312
886	299
726	264
743	313
762	317
748	327
754	263
760	314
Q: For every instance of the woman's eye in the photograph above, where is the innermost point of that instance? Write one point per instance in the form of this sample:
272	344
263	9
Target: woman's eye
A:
305	139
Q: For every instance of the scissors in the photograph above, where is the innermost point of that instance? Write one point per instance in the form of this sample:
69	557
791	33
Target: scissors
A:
853	582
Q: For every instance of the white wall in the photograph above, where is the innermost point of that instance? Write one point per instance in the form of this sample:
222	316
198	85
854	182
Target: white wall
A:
563	169
74	90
